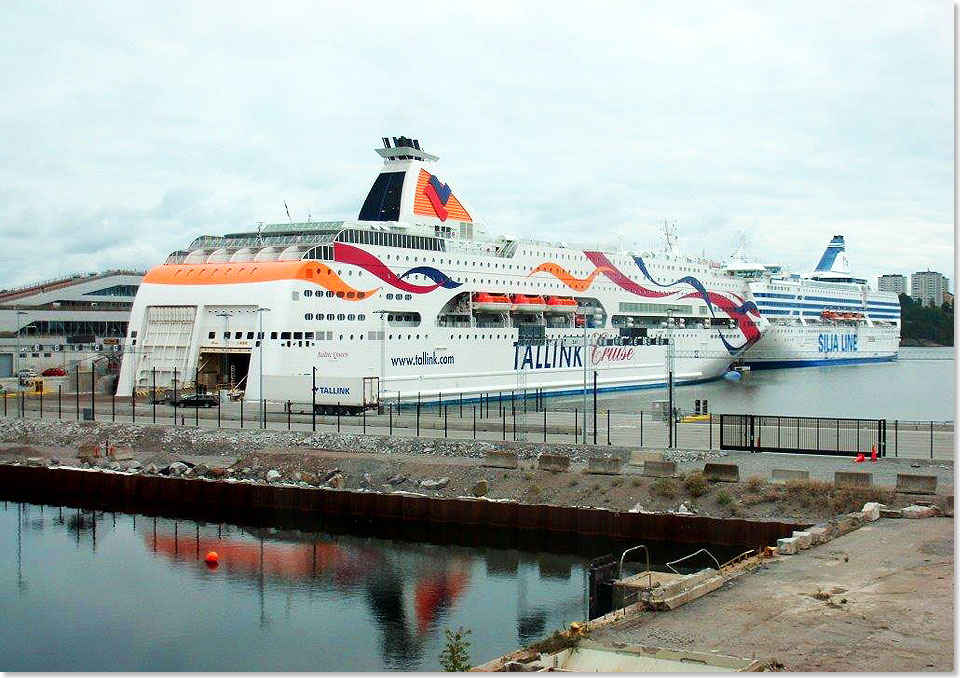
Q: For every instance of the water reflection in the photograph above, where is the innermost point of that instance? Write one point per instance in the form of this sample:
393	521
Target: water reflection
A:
394	596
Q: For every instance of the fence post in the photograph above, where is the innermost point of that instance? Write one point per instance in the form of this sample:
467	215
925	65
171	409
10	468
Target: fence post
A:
241	413
931	439
641	428
93	398
544	425
113	406
218	410
710	438
153	395
896	438
289	407
445	421
461	404
313	401
576	421
174	396
608	426
338	416
474	422
418	414
390	413
503	420
41	404
594	407
133	403
514	412
78	392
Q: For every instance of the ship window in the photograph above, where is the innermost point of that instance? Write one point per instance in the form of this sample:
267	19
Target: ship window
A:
389	295
211	335
226	335
308	335
249	335
340	295
383	201
238	335
350	295
329	294
298	335
273	335
361	317
295	296
284	335
351	317
408	297
341	316
308	316
330	316
307	293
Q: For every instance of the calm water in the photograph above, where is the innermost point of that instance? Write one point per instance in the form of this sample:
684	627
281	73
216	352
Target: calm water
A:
920	385
123	598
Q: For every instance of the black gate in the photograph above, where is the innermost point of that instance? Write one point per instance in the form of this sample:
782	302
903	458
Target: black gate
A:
803	435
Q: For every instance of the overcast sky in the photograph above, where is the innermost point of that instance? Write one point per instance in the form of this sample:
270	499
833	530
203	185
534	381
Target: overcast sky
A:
127	129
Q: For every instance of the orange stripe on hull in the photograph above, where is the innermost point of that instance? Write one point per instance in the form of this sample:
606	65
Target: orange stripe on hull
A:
252	272
564	276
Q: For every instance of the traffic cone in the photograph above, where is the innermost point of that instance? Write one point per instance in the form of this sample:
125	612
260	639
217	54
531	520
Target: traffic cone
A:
860	458
873	454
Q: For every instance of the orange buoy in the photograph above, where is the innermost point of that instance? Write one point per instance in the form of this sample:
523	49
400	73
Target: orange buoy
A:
212	559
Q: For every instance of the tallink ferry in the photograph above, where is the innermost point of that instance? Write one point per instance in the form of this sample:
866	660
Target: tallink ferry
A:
827	317
416	296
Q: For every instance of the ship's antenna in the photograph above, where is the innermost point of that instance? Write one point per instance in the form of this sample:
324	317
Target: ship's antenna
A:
260	233
309	216
288	211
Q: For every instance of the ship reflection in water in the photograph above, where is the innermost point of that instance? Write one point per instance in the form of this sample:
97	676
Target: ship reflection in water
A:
279	600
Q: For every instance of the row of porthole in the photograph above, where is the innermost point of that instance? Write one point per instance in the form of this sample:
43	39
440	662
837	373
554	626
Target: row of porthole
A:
339	316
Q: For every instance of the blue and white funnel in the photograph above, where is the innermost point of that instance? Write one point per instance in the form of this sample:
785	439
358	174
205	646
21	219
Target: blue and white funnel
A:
833	264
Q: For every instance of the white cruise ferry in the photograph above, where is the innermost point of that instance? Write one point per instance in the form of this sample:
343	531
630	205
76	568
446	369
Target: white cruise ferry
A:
415	294
828	317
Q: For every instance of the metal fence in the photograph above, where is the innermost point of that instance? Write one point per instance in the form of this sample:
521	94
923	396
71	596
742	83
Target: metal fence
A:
802	435
508	417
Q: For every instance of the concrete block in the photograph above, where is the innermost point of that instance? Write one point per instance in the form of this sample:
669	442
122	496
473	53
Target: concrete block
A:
660	469
871	511
804	539
909	483
501	459
784	475
725	473
610	466
916	512
89	452
890	513
553	462
640	457
852	479
787	546
820	534
847	523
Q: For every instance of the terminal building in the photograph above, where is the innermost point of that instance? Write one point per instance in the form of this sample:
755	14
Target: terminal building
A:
68	321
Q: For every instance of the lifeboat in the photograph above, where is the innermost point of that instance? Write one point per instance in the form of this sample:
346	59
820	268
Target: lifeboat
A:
561	305
830	315
523	302
484	301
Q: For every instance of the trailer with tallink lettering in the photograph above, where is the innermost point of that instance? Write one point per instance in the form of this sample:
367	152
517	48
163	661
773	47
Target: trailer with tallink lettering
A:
333	394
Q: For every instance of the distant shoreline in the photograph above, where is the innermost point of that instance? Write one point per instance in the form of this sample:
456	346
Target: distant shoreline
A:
922	343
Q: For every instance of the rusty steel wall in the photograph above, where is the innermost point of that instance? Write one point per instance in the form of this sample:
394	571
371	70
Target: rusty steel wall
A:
216	500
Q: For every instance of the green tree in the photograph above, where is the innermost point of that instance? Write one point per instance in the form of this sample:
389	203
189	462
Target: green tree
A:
926	323
455	655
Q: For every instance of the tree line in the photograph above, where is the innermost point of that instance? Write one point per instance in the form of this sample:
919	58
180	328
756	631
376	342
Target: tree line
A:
920	325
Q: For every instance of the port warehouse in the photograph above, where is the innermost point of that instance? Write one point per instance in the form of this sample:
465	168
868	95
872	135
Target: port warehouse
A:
70	320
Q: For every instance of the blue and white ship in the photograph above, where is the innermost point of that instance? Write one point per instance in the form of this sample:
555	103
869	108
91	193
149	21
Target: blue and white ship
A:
828	317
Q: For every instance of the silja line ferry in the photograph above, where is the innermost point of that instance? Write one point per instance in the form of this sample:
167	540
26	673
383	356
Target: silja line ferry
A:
416	296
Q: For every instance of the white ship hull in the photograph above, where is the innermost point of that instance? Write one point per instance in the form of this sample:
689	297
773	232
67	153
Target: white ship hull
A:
818	345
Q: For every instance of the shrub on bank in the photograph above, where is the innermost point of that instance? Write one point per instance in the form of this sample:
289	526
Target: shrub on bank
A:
664	487
696	484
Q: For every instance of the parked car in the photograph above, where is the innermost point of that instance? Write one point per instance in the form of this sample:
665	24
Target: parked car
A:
54	372
26	373
196	400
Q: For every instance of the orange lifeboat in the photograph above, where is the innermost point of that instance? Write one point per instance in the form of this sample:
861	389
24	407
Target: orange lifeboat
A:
523	302
830	315
561	305
491	302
